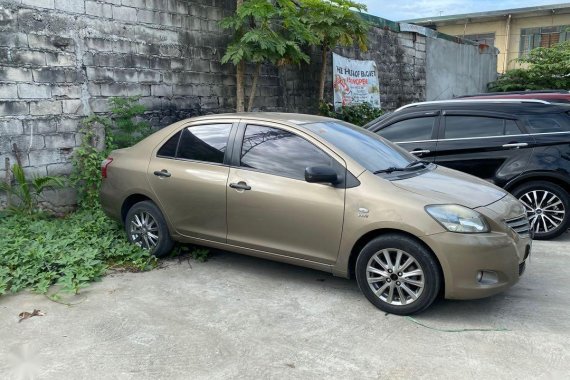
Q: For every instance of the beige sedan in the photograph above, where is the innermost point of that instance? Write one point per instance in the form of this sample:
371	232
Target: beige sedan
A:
324	194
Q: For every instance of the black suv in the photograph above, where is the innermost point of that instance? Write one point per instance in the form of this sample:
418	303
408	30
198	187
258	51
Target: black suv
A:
520	145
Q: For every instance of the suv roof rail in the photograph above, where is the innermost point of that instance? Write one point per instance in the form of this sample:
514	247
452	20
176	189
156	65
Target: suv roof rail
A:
537	101
564	92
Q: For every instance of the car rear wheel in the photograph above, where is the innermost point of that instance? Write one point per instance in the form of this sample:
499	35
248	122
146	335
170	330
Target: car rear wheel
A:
398	274
147	228
547	207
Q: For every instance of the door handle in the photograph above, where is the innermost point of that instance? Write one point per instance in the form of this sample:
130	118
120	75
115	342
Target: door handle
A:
515	145
240	186
162	173
419	152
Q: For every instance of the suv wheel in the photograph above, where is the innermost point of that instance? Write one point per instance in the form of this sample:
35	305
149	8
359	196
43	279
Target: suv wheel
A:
547	207
398	274
147	228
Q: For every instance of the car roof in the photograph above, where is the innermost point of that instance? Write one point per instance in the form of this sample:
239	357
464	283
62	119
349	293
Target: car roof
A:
515	106
291	118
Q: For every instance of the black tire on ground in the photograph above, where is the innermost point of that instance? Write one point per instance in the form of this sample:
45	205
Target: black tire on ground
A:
165	242
558	191
425	260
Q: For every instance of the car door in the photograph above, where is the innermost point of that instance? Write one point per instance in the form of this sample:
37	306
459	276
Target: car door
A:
271	207
416	132
189	173
488	145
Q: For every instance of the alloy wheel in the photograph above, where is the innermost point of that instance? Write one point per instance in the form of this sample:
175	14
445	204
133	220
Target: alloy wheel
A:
545	210
395	276
144	230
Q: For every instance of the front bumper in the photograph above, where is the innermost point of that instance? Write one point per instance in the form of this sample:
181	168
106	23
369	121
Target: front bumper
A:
463	257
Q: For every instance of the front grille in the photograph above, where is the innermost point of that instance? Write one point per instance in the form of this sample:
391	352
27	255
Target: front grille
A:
520	225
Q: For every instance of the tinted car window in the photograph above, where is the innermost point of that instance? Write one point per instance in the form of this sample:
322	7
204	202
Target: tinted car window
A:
204	143
368	149
169	147
280	152
474	126
416	129
548	123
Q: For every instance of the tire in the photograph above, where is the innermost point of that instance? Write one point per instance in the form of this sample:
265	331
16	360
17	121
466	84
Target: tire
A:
378	292
147	216
549	217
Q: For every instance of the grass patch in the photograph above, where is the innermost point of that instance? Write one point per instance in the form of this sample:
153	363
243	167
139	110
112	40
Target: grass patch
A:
40	251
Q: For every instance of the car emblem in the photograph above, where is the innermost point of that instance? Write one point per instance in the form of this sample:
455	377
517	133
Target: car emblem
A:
363	212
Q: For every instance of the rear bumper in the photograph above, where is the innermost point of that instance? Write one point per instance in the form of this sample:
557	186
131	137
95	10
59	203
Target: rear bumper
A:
110	203
502	256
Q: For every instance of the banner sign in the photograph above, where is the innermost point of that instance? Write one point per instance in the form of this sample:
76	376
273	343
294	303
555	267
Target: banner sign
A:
355	82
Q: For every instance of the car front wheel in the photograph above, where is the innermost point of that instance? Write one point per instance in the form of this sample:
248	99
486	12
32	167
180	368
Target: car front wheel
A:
398	274
546	206
147	228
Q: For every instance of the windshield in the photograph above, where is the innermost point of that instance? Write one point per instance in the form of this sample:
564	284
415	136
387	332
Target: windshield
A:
368	149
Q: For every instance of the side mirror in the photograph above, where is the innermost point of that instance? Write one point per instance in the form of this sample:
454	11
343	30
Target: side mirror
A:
321	174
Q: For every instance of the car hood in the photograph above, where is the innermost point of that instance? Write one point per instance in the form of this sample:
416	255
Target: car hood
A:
443	185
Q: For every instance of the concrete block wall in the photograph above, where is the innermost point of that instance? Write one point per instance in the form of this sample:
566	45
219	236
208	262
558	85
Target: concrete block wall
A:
61	60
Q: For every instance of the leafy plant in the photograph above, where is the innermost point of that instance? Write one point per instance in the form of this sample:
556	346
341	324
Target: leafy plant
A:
265	32
200	254
70	252
87	158
100	136
358	114
548	68
334	23
128	129
27	193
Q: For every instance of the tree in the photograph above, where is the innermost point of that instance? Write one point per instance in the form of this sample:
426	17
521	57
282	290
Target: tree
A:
548	68
334	23
265	32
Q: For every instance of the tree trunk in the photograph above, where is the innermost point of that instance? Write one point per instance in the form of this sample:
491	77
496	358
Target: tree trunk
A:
253	87
240	90
240	74
323	75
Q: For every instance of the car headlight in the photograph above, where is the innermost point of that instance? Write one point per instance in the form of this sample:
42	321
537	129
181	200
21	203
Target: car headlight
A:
457	218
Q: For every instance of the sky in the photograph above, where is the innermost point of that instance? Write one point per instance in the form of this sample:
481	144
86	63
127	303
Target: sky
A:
408	9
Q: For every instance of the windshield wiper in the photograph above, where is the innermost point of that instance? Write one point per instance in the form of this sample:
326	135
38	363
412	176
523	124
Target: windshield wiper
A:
416	163
408	167
390	170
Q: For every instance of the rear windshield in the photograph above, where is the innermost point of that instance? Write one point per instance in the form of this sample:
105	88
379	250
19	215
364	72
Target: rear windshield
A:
368	149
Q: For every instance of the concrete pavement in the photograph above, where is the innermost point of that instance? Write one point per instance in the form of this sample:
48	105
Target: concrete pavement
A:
241	317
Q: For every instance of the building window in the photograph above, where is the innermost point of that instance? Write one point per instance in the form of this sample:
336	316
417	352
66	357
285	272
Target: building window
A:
481	39
549	36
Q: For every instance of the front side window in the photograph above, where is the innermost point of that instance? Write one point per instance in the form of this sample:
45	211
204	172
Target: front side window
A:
279	152
417	129
206	143
457	127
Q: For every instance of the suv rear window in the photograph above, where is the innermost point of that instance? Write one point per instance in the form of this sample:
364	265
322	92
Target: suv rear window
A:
457	127
548	123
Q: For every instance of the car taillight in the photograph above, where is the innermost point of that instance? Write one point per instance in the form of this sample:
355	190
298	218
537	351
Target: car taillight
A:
104	165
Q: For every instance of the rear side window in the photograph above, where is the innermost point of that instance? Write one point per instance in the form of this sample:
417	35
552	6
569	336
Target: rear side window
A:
206	143
169	147
416	129
457	127
548	123
280	152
